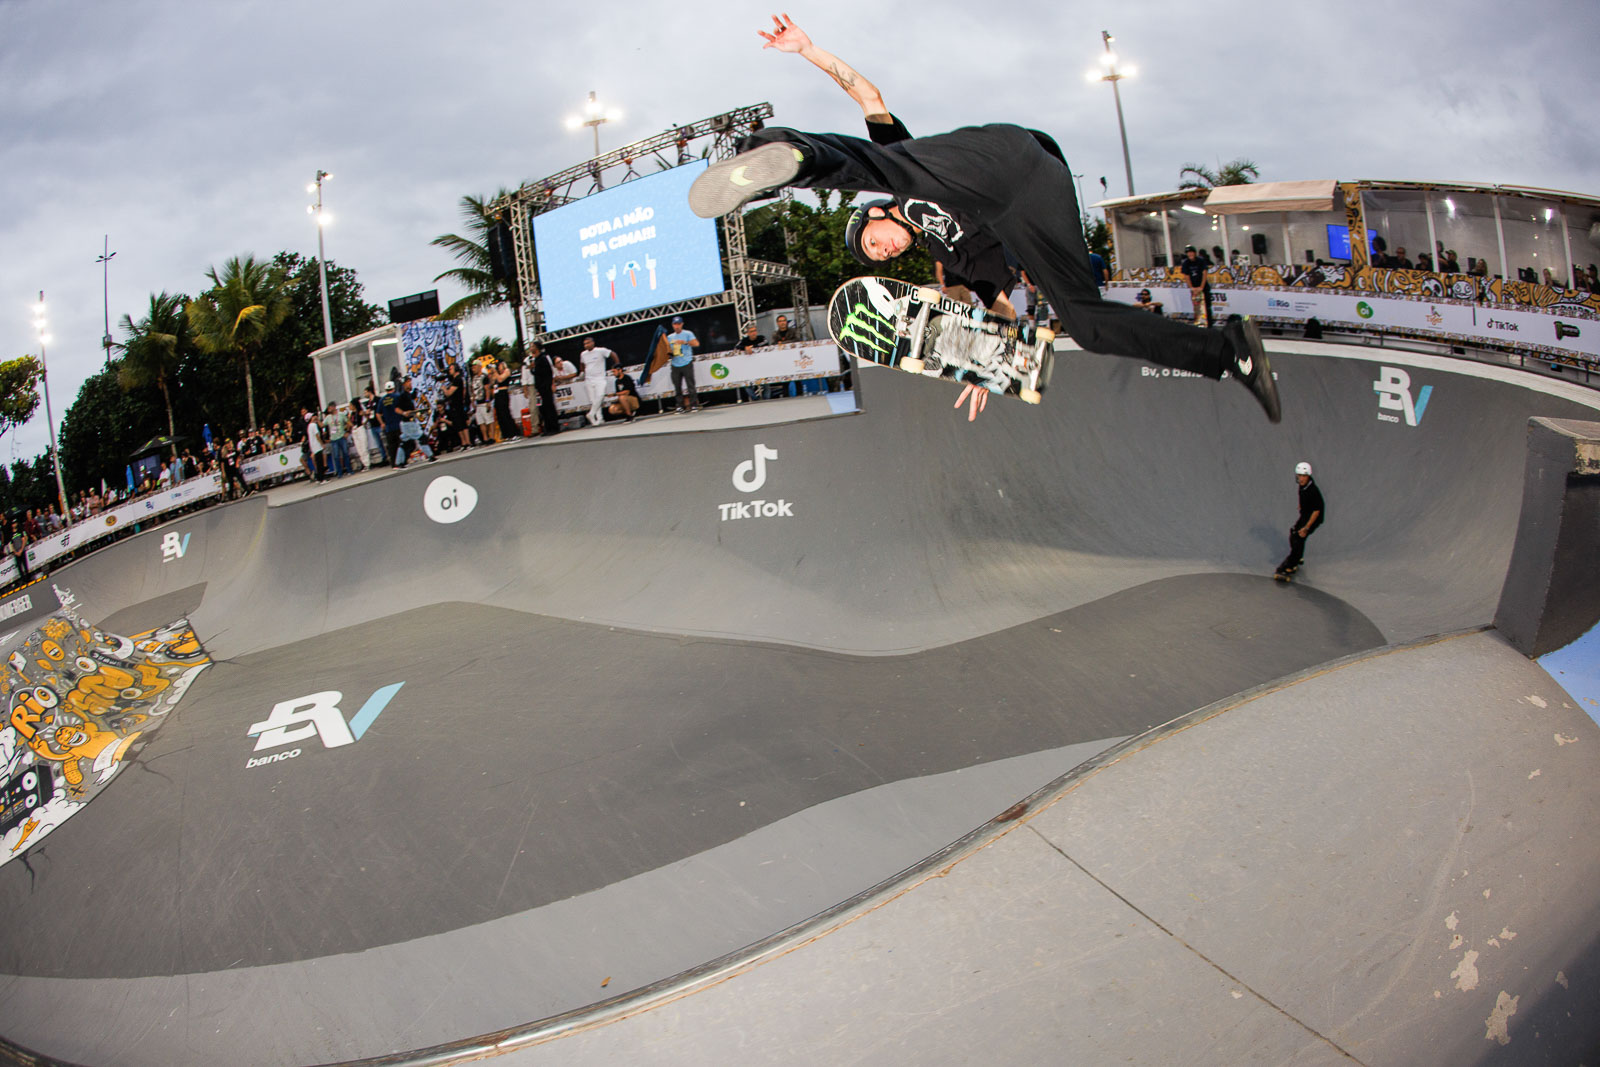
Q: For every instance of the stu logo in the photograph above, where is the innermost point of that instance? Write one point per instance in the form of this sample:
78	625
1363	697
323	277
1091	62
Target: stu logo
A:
174	547
318	714
1394	394
752	473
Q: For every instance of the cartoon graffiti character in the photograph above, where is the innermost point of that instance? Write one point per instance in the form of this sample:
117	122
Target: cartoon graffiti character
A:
75	745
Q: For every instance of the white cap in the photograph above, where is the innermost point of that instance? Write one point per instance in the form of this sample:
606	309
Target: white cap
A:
1303	468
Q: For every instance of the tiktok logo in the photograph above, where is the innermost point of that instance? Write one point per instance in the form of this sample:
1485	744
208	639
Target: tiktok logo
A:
752	473
747	478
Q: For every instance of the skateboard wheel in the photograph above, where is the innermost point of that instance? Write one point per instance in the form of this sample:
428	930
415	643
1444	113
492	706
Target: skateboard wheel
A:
928	296
1045	335
1030	396
912	364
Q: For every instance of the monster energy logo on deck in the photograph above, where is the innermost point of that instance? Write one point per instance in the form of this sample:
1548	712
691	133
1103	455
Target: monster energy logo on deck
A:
868	328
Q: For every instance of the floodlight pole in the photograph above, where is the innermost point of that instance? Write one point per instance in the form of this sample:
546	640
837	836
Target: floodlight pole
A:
322	263
1113	76
49	418
597	117
106	258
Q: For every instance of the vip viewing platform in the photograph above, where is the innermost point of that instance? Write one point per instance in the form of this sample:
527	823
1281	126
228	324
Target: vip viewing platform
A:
1503	269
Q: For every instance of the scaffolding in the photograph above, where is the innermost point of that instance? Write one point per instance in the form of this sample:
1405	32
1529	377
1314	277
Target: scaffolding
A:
670	148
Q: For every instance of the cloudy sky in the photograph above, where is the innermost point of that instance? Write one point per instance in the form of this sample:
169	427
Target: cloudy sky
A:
188	129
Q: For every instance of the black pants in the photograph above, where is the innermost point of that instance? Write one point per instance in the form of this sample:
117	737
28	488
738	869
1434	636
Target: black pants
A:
1004	179
549	419
502	415
1297	547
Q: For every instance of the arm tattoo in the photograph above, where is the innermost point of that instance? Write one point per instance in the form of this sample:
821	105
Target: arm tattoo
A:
846	77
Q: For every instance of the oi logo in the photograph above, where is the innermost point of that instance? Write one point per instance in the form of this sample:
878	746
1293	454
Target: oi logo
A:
718	371
1364	309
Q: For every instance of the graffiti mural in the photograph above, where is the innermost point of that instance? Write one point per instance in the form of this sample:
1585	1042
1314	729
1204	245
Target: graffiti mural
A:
80	703
426	346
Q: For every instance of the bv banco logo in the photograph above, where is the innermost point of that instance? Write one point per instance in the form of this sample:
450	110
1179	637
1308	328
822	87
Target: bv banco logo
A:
1394	394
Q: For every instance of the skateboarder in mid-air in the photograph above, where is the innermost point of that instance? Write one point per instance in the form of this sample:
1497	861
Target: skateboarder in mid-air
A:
997	183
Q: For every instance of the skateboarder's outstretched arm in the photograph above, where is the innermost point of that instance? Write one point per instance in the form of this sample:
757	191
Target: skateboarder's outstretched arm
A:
789	37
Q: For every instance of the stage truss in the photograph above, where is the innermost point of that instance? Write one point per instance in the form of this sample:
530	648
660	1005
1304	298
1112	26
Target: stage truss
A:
670	148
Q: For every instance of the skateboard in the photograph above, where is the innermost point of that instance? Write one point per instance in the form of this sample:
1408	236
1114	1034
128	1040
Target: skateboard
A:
916	328
1285	576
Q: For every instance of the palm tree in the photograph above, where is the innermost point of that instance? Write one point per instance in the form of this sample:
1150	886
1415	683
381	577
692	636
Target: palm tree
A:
485	292
245	303
150	353
1234	172
490	347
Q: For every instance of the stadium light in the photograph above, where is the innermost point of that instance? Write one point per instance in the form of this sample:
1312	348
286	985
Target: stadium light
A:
323	218
105	259
42	329
595	114
1113	74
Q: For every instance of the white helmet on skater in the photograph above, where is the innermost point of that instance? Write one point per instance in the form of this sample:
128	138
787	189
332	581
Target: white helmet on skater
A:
1303	468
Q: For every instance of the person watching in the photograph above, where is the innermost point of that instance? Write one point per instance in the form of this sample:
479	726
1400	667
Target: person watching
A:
751	339
683	342
625	401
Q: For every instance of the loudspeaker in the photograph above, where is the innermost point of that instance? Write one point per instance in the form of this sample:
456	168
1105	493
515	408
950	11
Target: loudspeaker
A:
414	307
502	255
1258	243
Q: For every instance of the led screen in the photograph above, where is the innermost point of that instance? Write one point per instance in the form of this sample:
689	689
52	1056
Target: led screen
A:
632	247
1339	242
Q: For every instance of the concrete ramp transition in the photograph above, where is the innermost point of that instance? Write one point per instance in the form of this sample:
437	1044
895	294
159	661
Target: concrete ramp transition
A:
550	726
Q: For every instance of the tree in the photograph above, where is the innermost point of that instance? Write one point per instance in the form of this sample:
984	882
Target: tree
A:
245	303
105	423
153	348
1234	172
287	377
488	347
485	292
1097	235
19	391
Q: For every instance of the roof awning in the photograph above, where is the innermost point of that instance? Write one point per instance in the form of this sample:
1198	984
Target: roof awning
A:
1271	196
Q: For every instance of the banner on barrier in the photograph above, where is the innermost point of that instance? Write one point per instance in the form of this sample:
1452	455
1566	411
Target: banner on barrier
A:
723	370
271	465
108	522
1489	324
